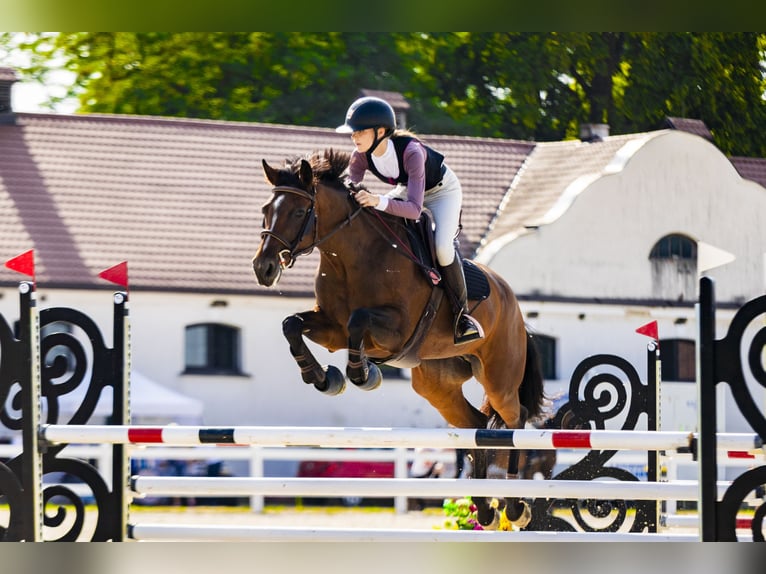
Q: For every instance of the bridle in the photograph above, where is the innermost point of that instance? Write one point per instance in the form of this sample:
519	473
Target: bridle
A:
290	253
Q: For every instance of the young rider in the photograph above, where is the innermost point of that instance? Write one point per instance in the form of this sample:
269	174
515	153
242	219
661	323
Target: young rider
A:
422	179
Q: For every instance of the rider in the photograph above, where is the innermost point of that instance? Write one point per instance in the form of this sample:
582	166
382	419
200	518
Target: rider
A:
422	179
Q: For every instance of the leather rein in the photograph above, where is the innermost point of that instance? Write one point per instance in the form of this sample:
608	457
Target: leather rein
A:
291	252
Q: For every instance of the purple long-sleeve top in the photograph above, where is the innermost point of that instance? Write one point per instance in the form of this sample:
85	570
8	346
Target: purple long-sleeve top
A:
415	168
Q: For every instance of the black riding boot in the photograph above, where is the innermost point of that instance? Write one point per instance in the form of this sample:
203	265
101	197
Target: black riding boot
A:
467	328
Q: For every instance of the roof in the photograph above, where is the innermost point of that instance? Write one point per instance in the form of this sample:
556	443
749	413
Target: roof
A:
549	180
180	199
395	99
753	168
696	127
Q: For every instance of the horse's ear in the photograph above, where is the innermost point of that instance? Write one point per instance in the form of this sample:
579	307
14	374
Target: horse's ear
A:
306	174
271	173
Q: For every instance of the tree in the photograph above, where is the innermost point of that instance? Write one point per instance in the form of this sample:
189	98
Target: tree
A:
536	86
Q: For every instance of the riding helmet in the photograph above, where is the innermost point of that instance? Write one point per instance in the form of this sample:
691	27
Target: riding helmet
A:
369	112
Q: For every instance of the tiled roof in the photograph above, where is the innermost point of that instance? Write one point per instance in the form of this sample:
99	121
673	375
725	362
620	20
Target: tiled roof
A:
550	178
753	168
180	199
696	127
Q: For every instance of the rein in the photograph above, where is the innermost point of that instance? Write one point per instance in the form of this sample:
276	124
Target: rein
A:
291	252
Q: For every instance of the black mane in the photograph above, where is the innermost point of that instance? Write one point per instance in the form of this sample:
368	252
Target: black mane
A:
329	165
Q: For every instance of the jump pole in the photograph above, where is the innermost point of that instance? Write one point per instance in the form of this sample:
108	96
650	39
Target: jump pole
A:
363	437
419	487
168	532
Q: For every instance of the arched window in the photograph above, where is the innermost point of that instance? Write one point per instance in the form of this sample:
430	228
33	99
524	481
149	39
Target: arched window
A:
212	348
674	268
675	247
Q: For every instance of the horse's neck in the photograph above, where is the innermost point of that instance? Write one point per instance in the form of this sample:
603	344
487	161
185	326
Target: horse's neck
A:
343	233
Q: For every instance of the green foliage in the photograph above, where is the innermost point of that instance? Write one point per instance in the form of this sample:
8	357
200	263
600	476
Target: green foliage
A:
536	86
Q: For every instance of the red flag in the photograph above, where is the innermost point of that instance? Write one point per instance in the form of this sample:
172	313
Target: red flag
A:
24	263
117	274
650	330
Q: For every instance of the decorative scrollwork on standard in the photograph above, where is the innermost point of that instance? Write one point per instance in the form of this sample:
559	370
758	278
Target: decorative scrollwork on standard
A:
11	492
730	365
753	481
593	401
11	365
58	511
71	349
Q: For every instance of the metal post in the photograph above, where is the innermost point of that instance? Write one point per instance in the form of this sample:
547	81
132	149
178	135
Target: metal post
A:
653	422
706	409
121	413
31	392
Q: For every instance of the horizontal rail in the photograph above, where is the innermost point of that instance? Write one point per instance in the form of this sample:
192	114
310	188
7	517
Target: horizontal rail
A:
360	437
419	487
213	533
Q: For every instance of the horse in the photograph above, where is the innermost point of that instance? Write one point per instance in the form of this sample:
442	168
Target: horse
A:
373	298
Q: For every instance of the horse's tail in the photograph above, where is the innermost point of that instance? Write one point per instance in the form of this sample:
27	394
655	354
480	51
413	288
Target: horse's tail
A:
531	391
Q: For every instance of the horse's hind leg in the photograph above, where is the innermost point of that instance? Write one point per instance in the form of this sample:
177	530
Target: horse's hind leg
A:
328	380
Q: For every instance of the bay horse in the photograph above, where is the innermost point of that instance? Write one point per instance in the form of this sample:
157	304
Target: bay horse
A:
371	298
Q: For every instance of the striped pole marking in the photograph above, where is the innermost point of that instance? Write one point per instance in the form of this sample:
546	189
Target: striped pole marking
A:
362	437
419	487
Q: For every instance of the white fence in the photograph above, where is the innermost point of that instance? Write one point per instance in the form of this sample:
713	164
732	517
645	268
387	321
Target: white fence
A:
255	458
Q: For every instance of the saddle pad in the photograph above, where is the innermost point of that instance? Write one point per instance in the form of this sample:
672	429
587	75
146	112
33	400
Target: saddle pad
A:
475	281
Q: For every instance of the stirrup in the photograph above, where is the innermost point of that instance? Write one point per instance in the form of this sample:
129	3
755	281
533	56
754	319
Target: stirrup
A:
467	329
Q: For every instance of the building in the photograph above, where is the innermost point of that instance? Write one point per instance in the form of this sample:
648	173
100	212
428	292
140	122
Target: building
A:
596	237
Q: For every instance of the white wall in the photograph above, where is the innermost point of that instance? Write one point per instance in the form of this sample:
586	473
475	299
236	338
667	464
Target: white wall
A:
271	392
675	183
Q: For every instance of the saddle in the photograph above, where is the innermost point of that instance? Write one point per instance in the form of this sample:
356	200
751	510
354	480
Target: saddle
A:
423	246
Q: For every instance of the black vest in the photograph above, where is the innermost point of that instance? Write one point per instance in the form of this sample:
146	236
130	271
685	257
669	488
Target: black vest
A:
434	164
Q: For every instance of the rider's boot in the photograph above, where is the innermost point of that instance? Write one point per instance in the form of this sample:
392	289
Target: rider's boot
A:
467	328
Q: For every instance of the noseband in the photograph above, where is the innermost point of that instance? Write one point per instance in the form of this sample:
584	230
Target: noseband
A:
291	252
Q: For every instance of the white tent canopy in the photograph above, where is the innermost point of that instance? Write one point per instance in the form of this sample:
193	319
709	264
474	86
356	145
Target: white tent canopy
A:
150	403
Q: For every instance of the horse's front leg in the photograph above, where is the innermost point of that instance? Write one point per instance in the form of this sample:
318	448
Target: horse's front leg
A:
318	328
378	325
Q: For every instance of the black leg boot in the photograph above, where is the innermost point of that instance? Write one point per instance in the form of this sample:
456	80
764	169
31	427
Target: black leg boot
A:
467	328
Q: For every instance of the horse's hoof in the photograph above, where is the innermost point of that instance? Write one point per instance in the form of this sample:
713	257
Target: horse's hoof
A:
523	519
374	378
334	382
491	522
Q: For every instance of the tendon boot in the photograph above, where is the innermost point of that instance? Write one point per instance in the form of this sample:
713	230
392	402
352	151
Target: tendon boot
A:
467	328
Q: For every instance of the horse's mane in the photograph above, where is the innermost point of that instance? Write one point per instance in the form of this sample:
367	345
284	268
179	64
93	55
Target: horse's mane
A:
329	165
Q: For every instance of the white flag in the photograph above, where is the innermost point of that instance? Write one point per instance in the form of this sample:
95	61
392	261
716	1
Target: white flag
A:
709	257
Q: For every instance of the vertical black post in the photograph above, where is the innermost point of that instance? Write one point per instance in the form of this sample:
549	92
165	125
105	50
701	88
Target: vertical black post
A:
31	464
121	412
706	410
653	421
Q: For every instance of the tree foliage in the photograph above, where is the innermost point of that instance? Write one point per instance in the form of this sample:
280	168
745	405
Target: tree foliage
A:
539	86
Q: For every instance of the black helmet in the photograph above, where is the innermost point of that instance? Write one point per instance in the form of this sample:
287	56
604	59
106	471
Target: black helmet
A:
367	113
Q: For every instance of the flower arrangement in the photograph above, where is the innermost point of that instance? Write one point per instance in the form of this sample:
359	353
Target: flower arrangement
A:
461	515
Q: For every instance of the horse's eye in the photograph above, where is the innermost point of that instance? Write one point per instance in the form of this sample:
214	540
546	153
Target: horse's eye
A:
300	212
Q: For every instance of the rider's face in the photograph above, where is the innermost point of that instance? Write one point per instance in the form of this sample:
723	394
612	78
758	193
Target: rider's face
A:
363	139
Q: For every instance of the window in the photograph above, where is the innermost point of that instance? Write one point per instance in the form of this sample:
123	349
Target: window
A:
678	360
674	268
212	348
674	247
547	347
